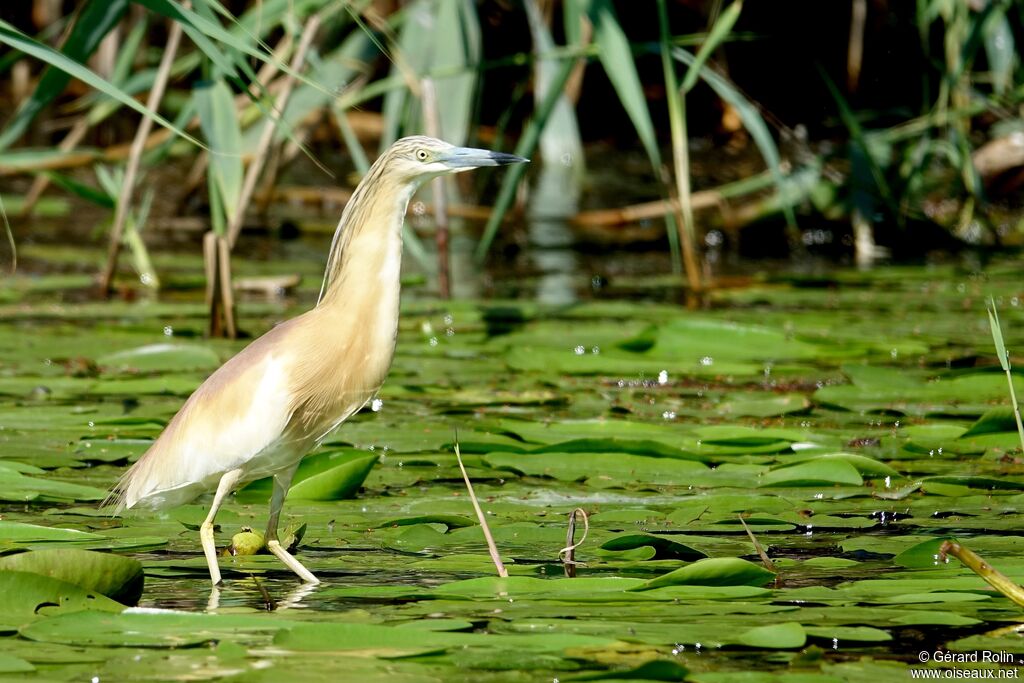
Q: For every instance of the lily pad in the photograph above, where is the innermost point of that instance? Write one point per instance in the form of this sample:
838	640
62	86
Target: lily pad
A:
118	578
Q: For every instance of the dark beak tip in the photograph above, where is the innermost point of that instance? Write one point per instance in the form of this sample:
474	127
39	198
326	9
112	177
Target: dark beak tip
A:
503	158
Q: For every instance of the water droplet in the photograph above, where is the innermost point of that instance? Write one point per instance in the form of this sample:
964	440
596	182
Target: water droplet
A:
835	643
707	360
669	415
579	350
893	353
168	331
449	319
663	377
888	482
433	341
376	404
92	424
449	332
146	279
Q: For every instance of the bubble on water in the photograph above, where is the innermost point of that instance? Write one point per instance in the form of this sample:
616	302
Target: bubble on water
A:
595	350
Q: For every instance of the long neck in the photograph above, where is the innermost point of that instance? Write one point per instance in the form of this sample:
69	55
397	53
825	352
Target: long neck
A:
366	252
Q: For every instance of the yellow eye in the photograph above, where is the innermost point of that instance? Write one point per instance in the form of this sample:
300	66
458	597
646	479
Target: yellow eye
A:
421	154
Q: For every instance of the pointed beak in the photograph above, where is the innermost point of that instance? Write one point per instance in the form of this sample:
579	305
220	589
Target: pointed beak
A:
467	157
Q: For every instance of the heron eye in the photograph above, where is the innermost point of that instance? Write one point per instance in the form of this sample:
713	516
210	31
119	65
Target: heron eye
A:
421	154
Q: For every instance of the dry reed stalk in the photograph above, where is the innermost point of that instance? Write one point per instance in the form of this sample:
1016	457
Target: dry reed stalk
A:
41	182
135	156
992	577
491	547
765	560
267	135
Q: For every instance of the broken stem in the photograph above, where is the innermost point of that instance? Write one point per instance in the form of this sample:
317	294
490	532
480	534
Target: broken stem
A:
568	554
765	560
983	569
491	547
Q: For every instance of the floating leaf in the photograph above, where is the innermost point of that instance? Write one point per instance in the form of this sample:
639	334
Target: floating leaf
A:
814	473
785	636
24	594
118	578
334	475
720	571
665	548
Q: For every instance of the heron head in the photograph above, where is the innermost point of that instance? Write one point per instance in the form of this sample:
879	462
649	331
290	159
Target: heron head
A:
419	158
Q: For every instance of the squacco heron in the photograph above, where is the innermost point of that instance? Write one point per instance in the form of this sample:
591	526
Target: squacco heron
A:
264	409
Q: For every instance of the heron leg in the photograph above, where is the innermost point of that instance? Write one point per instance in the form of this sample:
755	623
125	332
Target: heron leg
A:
282	482
227	482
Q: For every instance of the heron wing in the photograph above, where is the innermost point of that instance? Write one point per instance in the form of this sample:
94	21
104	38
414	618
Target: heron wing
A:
239	413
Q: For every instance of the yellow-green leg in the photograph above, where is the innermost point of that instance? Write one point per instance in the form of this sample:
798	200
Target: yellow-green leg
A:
227	482
282	482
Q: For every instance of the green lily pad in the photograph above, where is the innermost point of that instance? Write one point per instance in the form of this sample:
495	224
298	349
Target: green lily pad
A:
118	578
334	475
820	471
720	571
26	594
784	636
